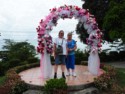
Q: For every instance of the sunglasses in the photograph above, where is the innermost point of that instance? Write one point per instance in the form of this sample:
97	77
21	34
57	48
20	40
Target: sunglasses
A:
61	33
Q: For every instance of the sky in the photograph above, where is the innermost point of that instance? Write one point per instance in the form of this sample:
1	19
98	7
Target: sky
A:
19	19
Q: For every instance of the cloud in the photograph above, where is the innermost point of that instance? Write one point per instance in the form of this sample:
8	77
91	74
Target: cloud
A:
19	18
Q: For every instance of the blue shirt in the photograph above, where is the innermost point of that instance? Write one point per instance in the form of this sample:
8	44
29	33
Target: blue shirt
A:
71	44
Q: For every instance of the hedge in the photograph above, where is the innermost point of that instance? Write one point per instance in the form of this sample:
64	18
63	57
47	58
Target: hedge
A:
13	83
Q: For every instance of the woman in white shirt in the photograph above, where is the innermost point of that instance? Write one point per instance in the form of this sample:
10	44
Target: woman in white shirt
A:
60	53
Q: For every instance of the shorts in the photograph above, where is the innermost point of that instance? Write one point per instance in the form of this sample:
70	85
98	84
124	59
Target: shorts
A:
60	59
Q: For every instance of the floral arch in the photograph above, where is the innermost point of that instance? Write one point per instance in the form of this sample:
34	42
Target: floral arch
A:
45	40
83	16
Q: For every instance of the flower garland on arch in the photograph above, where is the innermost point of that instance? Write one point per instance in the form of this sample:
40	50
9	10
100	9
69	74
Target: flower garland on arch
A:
83	16
45	41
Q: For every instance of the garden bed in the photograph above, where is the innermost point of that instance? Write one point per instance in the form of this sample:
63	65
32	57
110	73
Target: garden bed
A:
13	83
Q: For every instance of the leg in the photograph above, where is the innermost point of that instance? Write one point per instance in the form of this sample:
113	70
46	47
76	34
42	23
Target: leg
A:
56	66
63	61
63	67
73	65
67	66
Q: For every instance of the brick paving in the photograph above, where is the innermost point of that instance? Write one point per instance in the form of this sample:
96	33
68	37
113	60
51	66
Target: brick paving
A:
32	76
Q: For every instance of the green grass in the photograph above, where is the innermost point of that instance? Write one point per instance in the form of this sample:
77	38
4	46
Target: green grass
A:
2	80
121	76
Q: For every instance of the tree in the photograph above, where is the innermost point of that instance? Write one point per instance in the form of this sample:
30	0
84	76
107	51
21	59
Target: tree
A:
99	9
114	21
19	50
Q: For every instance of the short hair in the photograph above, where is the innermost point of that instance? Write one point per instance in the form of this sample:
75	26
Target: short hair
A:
61	31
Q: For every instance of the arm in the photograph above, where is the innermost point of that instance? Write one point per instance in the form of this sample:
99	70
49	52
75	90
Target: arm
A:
75	47
54	50
67	49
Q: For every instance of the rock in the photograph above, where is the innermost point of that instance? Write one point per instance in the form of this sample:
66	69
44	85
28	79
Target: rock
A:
33	92
90	90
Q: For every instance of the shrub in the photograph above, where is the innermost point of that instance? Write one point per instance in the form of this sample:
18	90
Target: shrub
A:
103	82
80	56
116	89
106	80
11	79
2	80
1	69
114	56
14	63
32	60
23	63
122	55
13	84
109	81
4	66
85	63
103	57
55	86
19	88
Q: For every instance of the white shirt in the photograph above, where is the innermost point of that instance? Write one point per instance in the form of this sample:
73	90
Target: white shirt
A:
58	41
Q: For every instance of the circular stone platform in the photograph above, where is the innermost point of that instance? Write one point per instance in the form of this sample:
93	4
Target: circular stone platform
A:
83	80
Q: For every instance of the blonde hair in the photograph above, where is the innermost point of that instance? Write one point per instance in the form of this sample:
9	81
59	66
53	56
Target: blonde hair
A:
70	33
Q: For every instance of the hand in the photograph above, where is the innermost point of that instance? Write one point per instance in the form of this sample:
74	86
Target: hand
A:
71	49
54	55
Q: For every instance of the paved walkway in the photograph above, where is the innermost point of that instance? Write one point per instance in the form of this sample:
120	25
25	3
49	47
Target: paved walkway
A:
117	64
31	76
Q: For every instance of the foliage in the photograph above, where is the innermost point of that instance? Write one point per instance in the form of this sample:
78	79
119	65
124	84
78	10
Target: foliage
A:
121	55
19	88
19	50
121	76
25	67
32	60
85	63
116	89
98	8
103	12
103	57
109	81
1	69
112	56
80	56
13	83
16	54
11	79
105	81
114	20
82	33
2	80
56	86
13	63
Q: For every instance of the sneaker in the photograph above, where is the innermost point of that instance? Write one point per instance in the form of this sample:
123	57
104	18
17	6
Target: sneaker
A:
68	74
71	73
74	74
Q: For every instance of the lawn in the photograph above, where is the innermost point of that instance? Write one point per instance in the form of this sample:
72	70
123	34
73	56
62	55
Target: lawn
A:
121	76
2	80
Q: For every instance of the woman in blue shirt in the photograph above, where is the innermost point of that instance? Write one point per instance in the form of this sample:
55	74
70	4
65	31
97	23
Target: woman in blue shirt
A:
70	61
